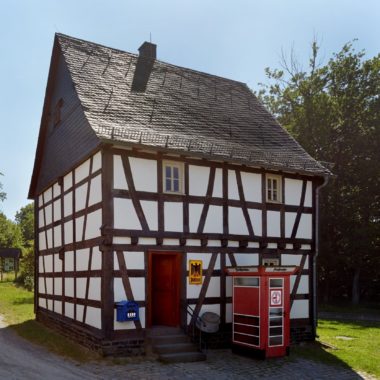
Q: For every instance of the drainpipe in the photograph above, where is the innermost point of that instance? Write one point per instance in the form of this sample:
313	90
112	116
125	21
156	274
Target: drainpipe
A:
315	316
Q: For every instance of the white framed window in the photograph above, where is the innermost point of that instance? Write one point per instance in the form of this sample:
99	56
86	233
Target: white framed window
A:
173	177
274	188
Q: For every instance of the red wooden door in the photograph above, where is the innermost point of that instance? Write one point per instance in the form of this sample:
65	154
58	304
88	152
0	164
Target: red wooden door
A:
165	289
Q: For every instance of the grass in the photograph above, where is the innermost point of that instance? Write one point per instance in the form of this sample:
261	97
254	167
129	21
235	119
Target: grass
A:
357	343
16	305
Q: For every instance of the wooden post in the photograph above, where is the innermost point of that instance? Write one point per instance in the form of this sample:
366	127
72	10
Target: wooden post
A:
1	269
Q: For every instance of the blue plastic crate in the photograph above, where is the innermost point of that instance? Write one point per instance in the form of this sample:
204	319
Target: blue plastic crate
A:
127	311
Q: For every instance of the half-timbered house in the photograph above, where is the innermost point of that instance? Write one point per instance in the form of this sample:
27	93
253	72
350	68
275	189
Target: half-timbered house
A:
143	166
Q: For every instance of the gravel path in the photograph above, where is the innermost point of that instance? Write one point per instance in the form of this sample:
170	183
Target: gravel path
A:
22	360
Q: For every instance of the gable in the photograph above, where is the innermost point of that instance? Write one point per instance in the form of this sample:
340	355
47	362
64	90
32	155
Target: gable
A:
60	145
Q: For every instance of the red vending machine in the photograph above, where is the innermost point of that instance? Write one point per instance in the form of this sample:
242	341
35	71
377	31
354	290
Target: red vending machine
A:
261	308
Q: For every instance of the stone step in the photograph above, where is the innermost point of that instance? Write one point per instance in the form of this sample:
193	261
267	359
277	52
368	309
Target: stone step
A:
170	339
182	357
173	348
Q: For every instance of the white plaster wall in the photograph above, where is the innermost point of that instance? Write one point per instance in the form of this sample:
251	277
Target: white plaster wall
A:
119	180
82	258
125	216
214	220
218	184
40	201
205	257
50	304
94	317
293	260
243	259
42	303
305	227
56	190
69	310
130	325
94	290
195	211
236	221
40	264
233	192
95	190
80	310
213	243
121	240
58	286
81	287
303	287
82	171
133	260
137	286
41	285
58	307
300	309
57	210
57	263
48	214
173	215
69	287
309	194
147	241
255	216
213	289
69	261
170	242
151	214
198	180
290	218
273	223
49	263
94	222
48	194
96	259
293	190
80	197
41	241
79	228
252	186
193	242
41	218
67	181
96	162
68	204
49	234
144	173
118	290
68	228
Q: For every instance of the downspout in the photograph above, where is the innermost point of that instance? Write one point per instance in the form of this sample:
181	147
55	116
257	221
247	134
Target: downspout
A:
315	314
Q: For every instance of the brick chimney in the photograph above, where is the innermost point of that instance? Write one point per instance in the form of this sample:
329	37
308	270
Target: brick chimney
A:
148	50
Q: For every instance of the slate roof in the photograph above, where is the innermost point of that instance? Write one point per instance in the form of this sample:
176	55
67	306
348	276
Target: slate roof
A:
180	109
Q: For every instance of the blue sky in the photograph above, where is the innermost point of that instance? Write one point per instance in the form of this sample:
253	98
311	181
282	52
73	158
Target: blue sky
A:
236	39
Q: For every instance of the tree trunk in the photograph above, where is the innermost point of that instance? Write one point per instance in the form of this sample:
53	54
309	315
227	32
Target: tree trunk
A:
355	287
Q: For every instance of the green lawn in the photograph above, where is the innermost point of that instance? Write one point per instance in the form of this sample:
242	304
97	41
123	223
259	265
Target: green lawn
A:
16	305
357	343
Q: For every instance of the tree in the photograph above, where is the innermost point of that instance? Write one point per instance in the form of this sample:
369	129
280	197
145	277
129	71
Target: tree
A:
333	110
3	195
10	233
25	220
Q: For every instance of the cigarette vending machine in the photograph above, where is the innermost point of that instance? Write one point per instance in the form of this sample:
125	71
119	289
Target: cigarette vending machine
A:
261	308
